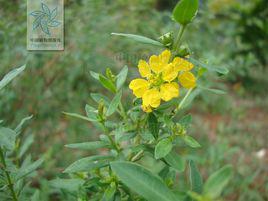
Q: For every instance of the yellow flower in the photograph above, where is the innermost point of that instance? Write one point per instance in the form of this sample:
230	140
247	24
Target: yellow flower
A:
159	83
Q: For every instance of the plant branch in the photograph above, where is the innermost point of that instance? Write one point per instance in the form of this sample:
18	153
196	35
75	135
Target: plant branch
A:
178	39
10	183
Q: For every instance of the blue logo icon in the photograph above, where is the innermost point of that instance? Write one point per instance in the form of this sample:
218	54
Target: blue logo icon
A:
45	19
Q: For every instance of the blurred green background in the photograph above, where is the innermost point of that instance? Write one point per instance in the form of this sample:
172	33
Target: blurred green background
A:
232	128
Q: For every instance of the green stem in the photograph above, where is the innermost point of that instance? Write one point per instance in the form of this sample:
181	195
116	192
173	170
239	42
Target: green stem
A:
10	183
178	39
106	132
122	111
183	100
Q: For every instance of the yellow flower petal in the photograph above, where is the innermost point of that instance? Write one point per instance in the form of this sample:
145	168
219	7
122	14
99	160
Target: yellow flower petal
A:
182	64
144	68
139	86
146	108
165	56
169	73
187	80
155	64
151	98
169	91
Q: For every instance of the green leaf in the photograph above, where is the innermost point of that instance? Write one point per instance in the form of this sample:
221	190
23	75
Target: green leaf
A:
71	185
109	193
7	138
10	76
91	113
24	171
36	195
175	161
87	164
96	76
25	146
185	11
196	180
162	148
79	116
217	181
141	39
142	181
114	104
88	145
121	77
215	91
108	84
186	121
98	97
153	125
19	127
220	70
191	142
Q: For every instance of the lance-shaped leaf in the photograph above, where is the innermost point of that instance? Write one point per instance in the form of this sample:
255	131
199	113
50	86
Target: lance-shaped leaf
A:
26	145
106	83
220	70
70	185
185	11
215	91
186	121
175	161
195	178
217	181
21	124
121	77
7	138
191	142
88	145
162	148
141	39
142	181
25	170
79	116
98	97
87	164
114	104
10	76
153	125
109	193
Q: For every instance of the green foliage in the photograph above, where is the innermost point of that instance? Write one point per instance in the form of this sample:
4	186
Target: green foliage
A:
185	11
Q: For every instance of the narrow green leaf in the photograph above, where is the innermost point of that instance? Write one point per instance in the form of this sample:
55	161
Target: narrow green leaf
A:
220	70
153	125
25	146
175	161
215	91
10	76
191	142
141	39
98	97
24	171
70	185
79	116
87	164
162	148
217	181
196	180
108	84
96	76
91	112
109	193
142	181
23	121
88	145
121	77
114	104
185	11
7	138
